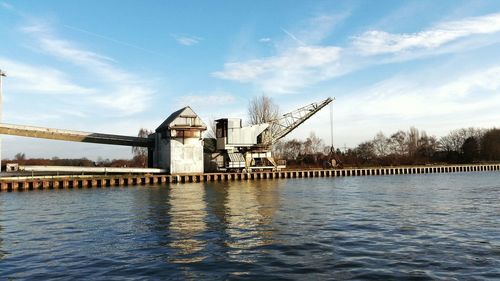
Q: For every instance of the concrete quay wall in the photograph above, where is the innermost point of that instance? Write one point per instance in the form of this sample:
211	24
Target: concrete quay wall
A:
99	181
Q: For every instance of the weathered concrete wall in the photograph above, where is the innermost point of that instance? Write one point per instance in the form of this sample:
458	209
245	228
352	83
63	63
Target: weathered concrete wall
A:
178	155
186	156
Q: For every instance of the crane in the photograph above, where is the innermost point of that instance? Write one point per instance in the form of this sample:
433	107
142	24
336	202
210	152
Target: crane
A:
282	126
249	147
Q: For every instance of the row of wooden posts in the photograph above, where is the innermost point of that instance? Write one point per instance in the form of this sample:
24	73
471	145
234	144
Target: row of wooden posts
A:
21	184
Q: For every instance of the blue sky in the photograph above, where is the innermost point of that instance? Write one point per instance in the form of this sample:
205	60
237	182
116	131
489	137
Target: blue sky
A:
117	66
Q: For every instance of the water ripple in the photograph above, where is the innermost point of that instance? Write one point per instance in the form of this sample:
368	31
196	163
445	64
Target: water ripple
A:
412	227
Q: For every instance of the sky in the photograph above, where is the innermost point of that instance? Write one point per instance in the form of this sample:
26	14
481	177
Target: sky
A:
118	66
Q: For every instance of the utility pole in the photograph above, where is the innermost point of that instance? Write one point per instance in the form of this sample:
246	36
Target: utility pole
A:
2	74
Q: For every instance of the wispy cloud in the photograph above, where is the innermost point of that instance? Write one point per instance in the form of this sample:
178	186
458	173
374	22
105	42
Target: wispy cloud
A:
302	63
6	5
478	90
208	99
114	40
293	37
314	30
375	42
299	61
487	80
119	89
187	40
39	79
265	39
285	72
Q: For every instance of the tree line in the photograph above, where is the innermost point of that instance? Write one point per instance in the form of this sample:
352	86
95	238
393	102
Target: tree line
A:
21	159
412	147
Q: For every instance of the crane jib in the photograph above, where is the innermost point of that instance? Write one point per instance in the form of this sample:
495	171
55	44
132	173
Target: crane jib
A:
290	121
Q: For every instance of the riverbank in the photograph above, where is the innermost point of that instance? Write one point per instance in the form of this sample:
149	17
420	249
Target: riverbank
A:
97	181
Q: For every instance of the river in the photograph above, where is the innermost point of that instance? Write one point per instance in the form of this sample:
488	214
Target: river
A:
418	227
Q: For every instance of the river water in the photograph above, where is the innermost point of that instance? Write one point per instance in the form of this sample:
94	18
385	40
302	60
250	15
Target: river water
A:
418	227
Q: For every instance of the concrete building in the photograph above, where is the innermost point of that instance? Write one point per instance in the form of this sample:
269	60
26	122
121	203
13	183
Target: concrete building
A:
179	143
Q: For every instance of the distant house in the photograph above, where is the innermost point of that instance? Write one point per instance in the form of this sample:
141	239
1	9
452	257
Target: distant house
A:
12	167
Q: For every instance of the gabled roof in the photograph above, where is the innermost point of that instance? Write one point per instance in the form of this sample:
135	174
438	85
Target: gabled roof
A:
176	120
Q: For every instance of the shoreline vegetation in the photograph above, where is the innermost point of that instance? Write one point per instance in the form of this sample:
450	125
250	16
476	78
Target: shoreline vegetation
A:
402	148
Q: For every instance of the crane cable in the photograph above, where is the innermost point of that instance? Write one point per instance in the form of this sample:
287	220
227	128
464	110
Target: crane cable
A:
331	128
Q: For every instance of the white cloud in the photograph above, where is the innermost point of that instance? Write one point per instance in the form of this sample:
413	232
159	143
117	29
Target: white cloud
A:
411	97
120	90
206	99
283	73
486	80
187	40
265	40
300	60
39	79
69	51
379	42
127	99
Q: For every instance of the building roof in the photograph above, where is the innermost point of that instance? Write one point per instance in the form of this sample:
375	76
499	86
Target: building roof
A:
184	118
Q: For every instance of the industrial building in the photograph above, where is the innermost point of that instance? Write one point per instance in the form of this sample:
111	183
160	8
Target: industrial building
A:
176	146
179	143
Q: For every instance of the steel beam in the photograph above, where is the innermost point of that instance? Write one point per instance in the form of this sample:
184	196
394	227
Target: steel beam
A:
76	136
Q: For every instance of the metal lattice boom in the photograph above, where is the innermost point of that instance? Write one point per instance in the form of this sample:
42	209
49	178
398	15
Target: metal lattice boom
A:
282	126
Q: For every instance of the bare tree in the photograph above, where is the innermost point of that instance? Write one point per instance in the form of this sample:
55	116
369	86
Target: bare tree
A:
455	139
20	156
413	137
398	144
381	145
427	146
313	144
141	153
366	151
261	110
292	149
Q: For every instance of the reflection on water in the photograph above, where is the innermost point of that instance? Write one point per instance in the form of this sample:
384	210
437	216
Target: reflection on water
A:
418	227
250	212
187	224
238	217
